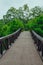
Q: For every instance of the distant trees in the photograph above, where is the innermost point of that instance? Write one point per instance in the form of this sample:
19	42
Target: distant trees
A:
26	8
36	11
10	14
26	12
21	18
22	13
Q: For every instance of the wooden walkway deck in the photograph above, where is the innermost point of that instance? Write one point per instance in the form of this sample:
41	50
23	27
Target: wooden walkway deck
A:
22	52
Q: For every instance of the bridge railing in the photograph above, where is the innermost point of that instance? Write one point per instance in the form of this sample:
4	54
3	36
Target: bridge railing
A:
38	41
6	41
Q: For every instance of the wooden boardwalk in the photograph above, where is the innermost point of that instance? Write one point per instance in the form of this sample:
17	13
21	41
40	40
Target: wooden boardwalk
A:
22	52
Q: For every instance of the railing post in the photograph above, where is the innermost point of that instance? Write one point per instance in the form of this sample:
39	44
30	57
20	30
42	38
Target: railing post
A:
7	45
42	49
39	45
7	40
1	49
12	38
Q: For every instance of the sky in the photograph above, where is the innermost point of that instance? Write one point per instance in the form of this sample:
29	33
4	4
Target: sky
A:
6	4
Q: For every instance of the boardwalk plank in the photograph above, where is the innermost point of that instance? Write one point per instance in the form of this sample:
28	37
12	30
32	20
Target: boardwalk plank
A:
23	52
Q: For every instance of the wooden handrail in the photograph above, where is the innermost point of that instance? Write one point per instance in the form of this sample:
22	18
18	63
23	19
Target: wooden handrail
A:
38	41
38	36
9	35
8	40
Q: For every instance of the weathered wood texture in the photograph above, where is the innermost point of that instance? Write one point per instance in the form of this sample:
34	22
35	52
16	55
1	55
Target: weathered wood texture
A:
38	41
7	41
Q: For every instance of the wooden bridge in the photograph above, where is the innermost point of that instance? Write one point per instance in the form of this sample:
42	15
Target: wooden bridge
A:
22	52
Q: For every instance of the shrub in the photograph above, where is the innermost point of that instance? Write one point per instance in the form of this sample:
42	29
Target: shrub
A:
39	31
36	24
11	27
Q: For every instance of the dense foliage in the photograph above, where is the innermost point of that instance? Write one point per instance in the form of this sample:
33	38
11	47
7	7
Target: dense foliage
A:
36	24
11	27
22	18
1	25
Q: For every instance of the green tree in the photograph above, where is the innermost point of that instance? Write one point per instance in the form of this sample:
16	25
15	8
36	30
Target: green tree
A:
26	12
36	11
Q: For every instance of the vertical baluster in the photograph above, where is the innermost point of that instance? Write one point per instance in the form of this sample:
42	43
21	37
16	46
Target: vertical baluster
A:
42	49
9	41
7	45
1	48
4	42
39	45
